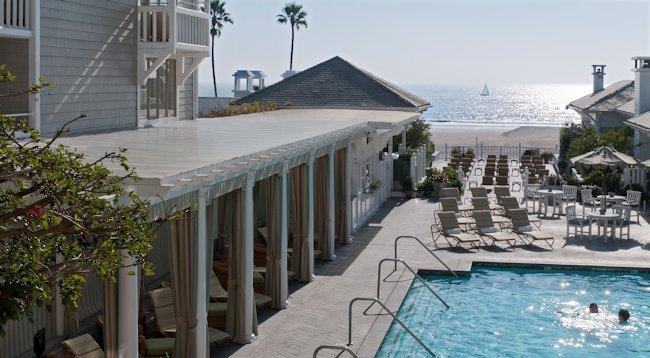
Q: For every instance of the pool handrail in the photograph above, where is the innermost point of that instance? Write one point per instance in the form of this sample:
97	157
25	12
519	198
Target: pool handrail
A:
374	300
326	346
413	272
425	246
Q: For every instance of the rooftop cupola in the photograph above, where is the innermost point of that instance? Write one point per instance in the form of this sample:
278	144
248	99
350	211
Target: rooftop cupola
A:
599	77
253	81
641	84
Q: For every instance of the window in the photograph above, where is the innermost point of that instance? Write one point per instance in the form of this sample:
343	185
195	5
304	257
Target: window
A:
158	95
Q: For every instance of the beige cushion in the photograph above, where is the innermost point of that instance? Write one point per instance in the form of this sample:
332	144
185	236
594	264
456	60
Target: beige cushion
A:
84	346
159	346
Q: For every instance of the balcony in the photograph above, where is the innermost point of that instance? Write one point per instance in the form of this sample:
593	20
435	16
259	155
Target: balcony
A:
16	18
173	26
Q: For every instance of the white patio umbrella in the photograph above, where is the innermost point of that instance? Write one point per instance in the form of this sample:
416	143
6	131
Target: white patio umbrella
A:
605	158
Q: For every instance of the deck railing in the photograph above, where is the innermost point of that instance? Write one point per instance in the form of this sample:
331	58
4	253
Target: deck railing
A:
161	24
15	14
482	151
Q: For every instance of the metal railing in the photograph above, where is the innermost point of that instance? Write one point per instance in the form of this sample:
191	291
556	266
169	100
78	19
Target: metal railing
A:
482	151
343	348
425	246
412	271
390	313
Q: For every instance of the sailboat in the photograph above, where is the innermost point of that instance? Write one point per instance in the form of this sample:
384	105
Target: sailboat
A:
485	91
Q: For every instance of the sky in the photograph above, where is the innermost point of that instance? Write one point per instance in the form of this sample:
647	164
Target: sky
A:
421	42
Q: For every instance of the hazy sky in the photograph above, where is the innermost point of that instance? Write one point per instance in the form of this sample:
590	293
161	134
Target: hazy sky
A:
440	42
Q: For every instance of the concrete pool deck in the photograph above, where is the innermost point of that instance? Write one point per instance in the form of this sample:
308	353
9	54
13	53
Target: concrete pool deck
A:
318	311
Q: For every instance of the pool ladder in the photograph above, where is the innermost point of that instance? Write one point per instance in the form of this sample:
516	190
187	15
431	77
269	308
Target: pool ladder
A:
427	249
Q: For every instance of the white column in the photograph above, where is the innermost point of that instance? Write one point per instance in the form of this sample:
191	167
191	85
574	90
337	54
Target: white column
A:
246	262
35	62
403	144
310	214
331	227
127	303
201	329
348	193
389	165
284	234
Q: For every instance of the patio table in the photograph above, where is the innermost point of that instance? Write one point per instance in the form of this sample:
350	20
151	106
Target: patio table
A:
616	199
603	219
555	195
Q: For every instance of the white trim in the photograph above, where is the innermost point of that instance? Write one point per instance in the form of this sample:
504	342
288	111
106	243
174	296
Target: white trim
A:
16	33
35	63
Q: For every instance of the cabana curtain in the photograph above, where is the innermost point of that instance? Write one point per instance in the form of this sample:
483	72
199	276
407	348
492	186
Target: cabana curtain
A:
181	251
302	249
276	268
340	182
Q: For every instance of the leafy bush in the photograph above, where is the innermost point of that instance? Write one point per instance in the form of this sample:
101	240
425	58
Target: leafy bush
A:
619	139
567	135
407	183
533	152
547	156
469	150
246	108
417	135
456	150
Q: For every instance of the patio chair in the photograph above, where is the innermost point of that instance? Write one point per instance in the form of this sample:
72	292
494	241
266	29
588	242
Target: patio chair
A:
162	300
83	346
531	195
633	200
588	200
569	195
522	227
452	192
451	231
489	171
486	229
576	221
623	221
478	192
219	294
487	180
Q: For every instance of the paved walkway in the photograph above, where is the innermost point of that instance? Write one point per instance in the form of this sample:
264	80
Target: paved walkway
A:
318	311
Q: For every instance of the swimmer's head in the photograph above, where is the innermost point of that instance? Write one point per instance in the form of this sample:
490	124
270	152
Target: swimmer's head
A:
623	315
593	308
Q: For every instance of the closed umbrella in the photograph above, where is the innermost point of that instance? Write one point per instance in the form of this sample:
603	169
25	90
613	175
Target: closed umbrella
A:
605	158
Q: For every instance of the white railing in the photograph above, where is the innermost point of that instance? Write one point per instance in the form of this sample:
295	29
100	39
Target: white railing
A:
482	151
634	175
166	23
365	204
15	14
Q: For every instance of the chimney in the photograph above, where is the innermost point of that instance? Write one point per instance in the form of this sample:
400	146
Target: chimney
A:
599	75
641	85
288	73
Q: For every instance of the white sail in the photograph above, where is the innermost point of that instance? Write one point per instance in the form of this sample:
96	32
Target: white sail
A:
485	91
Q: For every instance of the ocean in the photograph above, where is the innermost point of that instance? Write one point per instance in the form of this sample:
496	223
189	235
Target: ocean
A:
538	104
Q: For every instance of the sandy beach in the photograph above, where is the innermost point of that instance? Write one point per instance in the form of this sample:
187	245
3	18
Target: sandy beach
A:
465	134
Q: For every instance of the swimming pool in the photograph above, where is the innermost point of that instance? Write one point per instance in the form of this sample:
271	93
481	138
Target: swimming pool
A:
525	313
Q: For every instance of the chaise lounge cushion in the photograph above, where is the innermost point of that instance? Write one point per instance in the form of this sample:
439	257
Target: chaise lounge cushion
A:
217	309
159	346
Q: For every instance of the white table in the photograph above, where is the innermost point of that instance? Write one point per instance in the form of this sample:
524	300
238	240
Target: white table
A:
603	219
555	194
616	199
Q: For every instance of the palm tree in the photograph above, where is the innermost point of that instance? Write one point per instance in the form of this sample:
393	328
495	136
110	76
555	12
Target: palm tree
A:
219	17
295	16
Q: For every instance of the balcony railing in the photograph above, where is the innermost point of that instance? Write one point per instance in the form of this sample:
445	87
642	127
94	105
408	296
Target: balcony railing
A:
15	14
175	24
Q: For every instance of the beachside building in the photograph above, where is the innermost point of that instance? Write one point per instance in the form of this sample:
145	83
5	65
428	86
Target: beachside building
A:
123	63
606	107
262	196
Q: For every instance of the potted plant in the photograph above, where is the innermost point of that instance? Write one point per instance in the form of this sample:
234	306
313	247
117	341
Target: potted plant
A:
407	186
374	184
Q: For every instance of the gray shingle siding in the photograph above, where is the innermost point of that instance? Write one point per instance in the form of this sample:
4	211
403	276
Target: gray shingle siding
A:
186	97
88	48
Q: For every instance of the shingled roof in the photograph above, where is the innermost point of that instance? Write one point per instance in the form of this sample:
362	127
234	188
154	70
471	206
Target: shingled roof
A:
337	83
609	99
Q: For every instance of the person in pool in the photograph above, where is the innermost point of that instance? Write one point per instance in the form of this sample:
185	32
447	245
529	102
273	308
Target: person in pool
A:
623	315
593	308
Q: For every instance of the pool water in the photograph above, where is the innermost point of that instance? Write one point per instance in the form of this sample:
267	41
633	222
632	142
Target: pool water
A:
525	313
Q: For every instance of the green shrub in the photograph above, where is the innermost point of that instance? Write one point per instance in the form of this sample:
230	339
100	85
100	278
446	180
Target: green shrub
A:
246	108
547	156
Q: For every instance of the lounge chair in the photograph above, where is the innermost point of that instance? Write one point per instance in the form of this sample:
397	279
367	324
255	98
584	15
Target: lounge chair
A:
83	346
510	203
219	294
483	204
451	231
450	204
486	229
162	300
501	191
522	227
